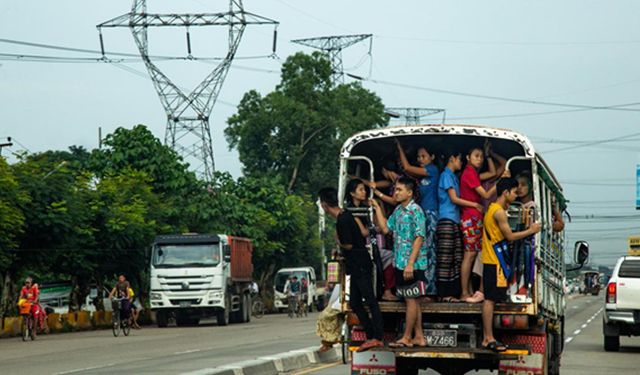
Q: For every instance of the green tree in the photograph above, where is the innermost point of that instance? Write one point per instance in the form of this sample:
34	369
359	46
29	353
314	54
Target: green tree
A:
12	197
294	134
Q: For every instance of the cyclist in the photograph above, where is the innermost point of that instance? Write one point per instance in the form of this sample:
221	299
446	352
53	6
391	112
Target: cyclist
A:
121	290
304	290
292	289
31	293
136	306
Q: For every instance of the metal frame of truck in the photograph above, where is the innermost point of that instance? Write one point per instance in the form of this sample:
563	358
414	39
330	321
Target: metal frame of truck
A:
543	315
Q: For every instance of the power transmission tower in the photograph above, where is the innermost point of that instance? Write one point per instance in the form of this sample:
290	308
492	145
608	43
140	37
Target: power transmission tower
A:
188	114
333	46
413	116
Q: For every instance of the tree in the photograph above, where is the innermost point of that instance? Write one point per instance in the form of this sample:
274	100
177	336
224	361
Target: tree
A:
294	134
11	226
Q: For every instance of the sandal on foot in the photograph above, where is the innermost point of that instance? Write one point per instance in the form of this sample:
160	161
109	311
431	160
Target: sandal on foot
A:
400	344
496	346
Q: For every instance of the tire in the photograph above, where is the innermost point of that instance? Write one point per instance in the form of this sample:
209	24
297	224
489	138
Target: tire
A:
126	328
162	320
24	328
346	337
223	317
553	360
33	329
115	327
182	320
612	343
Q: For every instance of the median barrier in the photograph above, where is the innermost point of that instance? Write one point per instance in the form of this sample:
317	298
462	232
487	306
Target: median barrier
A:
108	318
11	326
83	320
69	321
98	319
54	322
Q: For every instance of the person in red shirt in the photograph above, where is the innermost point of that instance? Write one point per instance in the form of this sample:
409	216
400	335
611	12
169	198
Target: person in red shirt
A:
471	189
31	293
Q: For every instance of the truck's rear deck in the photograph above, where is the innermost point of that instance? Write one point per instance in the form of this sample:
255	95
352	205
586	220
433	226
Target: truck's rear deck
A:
458	308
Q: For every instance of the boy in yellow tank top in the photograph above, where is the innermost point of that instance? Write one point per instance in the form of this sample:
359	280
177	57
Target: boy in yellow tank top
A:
496	234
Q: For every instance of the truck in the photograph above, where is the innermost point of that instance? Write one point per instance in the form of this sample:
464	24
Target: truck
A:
194	276
622	303
531	321
280	298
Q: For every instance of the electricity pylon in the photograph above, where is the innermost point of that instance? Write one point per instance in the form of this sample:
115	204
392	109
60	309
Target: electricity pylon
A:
413	116
333	46
188	114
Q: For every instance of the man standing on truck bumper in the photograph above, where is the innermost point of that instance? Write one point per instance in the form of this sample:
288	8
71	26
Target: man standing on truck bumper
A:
496	235
359	267
408	224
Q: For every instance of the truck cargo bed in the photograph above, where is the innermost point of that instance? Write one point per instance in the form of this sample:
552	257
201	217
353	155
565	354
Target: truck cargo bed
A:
459	308
457	353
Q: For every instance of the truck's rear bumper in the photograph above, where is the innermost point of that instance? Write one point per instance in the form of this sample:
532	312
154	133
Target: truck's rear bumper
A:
619	316
457	308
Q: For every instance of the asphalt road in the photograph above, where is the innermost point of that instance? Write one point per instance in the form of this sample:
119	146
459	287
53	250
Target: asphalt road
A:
169	350
583	354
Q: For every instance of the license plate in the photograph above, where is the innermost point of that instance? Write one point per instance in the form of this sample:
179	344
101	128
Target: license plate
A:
441	337
185	303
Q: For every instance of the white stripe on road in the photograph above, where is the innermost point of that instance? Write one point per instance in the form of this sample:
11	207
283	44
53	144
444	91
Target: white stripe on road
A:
84	369
577	332
187	351
583	326
568	340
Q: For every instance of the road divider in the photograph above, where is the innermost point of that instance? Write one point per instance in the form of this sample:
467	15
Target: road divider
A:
274	364
11	326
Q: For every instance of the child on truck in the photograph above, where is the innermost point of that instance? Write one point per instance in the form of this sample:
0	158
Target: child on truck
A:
448	234
495	240
407	223
471	189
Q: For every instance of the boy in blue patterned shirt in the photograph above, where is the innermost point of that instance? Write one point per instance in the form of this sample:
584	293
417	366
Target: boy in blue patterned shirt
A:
408	225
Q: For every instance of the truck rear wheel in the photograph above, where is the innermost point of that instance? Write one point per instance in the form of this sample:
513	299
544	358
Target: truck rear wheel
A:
246	308
162	319
553	360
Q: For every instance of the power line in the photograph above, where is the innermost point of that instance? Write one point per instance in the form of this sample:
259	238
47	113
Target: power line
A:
502	43
500	98
592	143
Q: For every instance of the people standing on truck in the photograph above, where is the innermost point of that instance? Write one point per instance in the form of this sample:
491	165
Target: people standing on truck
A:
408	225
496	237
121	290
357	197
429	176
449	251
330	320
358	266
471	190
525	196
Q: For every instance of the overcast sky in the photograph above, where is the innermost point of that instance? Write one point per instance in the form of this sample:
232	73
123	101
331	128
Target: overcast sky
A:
578	52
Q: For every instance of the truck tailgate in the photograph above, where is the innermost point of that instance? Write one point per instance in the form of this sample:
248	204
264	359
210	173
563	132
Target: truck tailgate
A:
628	288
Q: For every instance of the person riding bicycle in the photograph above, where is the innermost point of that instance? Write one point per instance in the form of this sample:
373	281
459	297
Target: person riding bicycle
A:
136	307
304	290
122	290
31	293
293	289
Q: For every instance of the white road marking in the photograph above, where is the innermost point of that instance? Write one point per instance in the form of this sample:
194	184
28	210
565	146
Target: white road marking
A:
584	326
568	340
577	332
84	369
187	351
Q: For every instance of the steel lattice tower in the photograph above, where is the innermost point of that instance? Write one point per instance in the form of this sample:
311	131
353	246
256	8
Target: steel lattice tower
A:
188	114
333	46
413	116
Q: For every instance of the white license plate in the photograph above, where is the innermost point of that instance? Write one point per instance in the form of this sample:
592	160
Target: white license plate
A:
185	303
441	337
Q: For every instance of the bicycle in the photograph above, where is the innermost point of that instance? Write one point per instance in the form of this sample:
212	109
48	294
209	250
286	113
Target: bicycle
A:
28	326
117	323
303	308
293	306
257	308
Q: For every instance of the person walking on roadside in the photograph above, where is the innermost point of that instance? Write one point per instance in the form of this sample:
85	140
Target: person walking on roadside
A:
408	225
495	241
359	266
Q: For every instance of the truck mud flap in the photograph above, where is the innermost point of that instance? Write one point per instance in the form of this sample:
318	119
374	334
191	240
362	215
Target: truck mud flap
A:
525	364
373	363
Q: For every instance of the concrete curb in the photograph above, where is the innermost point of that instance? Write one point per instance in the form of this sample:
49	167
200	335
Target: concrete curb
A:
274	364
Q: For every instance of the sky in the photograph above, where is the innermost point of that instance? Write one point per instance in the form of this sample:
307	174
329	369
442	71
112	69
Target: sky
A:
574	51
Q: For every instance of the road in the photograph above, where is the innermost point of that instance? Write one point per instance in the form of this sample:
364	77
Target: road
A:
176	350
169	350
583	353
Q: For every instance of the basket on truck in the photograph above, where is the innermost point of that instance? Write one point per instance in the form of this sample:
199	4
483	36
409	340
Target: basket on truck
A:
531	322
196	276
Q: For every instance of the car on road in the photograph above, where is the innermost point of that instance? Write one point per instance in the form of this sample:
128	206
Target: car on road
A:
622	303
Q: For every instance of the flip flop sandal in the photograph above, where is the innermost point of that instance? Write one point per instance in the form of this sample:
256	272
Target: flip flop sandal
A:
398	344
496	346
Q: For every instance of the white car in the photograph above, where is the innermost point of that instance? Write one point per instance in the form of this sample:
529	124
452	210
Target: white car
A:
622	308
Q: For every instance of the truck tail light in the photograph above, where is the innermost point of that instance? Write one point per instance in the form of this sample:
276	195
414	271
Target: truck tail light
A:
612	289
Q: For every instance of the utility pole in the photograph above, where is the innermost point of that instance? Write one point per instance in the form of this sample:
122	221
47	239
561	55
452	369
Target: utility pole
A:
333	46
188	114
413	116
8	143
